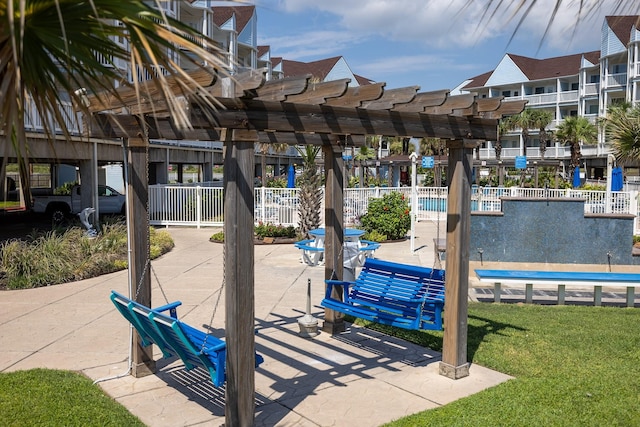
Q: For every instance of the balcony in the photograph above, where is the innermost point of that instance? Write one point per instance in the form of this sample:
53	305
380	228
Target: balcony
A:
616	80
570	96
592	89
36	123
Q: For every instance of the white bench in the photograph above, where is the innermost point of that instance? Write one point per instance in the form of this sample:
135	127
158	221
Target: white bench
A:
560	278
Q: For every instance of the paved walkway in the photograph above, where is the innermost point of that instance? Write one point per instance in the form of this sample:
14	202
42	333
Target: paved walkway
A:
358	378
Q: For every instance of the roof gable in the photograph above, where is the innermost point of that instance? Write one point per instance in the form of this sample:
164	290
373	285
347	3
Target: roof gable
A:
264	52
318	69
616	34
222	15
507	72
621	26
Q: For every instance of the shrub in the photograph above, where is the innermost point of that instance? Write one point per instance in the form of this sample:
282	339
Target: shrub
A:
263	230
68	255
374	236
389	216
218	237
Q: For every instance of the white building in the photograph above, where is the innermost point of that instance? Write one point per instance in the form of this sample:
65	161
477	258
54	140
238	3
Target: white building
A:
583	84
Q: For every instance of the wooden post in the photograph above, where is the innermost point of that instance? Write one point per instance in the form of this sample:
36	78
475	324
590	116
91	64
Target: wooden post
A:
454	354
334	230
138	234
239	275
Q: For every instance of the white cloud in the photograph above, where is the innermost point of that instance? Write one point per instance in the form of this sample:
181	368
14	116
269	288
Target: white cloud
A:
313	45
466	23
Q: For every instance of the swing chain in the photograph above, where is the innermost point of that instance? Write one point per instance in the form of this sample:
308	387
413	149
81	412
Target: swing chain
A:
220	290
144	272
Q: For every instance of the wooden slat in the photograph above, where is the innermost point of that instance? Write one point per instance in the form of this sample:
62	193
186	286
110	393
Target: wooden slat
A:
317	93
423	100
245	83
392	97
455	102
482	105
506	108
279	89
114	126
355	96
149	91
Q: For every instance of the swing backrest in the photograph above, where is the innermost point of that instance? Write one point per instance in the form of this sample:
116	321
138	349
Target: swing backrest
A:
135	313
393	281
175	338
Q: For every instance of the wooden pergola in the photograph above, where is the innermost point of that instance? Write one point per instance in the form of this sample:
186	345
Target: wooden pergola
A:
296	111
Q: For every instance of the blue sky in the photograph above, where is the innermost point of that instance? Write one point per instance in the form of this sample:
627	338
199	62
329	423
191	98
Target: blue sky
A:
435	44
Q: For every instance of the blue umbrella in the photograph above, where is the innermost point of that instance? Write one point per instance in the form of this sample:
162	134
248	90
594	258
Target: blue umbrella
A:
291	177
616	179
576	177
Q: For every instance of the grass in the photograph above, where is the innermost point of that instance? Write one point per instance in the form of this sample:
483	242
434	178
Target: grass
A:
42	397
573	366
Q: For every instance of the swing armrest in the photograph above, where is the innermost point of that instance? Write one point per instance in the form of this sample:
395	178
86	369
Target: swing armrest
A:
214	348
171	307
345	287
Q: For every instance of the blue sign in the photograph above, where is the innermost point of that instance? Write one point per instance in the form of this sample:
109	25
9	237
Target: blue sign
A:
427	161
521	162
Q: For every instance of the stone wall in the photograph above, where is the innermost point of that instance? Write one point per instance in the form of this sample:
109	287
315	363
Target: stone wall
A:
551	231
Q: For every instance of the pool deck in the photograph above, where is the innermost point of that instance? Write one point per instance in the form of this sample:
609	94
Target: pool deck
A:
360	377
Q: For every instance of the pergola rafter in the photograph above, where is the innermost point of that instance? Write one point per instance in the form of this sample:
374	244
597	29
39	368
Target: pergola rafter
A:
248	109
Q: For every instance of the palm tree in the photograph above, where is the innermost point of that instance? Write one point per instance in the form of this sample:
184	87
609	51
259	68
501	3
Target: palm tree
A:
395	145
310	199
542	119
54	51
525	120
503	128
622	131
574	130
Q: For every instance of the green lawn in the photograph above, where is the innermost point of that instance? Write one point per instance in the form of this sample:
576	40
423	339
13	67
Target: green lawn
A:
573	366
42	397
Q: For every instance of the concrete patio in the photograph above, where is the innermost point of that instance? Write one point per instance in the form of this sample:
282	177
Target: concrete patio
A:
359	378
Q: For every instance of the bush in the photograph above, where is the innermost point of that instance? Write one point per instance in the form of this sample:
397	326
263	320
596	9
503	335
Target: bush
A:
63	256
270	230
388	216
374	236
263	230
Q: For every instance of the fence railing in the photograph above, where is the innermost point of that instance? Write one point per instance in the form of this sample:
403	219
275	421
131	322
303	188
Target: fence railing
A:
203	206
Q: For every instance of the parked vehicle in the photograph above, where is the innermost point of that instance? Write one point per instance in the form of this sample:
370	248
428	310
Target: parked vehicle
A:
60	206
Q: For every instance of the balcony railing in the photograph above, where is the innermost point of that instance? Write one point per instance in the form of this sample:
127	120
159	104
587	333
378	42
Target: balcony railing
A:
591	89
619	79
550	98
33	121
544	98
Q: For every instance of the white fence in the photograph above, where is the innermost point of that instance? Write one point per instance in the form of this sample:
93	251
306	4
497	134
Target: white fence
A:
203	206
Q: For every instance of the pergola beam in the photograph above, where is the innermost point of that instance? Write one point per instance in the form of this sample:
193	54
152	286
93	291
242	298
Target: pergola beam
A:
284	117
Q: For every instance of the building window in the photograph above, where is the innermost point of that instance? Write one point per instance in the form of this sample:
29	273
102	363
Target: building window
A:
619	68
539	90
594	78
506	93
574	86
